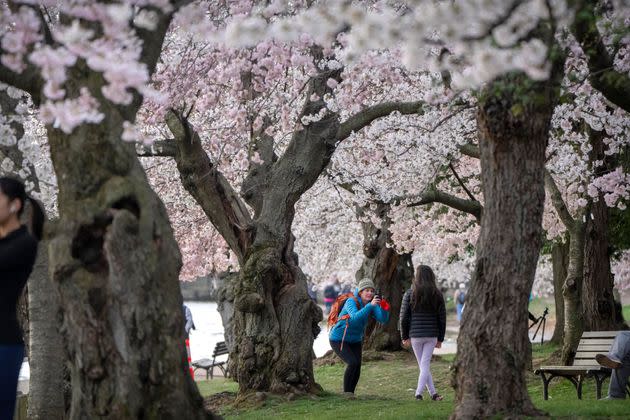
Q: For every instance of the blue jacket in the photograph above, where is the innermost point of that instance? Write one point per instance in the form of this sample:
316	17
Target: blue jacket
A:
357	321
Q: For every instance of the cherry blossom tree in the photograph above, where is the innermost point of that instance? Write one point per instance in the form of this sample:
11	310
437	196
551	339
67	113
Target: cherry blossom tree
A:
22	156
113	258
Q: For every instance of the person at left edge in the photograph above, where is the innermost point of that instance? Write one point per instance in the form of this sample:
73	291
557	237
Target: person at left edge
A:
18	249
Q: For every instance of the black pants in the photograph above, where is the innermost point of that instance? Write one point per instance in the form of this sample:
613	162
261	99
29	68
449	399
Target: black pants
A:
351	355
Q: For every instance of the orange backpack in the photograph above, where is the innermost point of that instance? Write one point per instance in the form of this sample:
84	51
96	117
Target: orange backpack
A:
333	316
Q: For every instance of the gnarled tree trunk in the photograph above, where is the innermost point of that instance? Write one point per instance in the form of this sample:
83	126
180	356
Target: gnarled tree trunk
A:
493	343
391	273
47	358
597	290
572	293
275	322
115	264
38	307
560	262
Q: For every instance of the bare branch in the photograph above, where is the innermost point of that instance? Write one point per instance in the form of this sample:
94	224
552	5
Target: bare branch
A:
473	207
471	150
365	117
498	22
201	178
461	182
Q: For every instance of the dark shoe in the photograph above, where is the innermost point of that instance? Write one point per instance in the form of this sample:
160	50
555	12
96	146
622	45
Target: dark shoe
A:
607	361
419	397
437	397
349	396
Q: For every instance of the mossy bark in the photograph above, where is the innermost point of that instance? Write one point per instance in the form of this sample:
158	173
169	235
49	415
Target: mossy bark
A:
560	262
115	264
490	370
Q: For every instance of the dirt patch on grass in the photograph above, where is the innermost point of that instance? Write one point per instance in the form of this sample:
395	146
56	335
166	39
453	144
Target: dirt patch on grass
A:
330	358
216	401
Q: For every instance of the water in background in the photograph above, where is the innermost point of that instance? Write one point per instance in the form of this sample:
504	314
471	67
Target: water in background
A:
209	331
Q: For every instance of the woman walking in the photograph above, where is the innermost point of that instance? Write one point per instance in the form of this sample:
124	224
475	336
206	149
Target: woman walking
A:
18	249
348	328
423	322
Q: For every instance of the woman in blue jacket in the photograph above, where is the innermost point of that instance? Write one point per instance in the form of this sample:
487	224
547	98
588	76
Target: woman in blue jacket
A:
346	336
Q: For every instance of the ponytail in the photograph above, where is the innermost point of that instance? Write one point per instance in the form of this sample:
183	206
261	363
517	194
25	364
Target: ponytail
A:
36	222
14	189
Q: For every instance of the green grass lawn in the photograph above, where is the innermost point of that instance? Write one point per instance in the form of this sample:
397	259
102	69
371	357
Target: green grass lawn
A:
386	391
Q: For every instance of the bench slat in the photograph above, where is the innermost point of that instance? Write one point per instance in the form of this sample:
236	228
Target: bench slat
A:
595	341
584	362
589	334
587	354
600	348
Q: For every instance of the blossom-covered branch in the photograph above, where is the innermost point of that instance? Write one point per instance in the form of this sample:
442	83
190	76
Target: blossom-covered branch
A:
614	85
557	200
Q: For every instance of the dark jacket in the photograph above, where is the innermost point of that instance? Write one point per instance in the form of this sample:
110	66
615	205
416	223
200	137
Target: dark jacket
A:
17	255
422	322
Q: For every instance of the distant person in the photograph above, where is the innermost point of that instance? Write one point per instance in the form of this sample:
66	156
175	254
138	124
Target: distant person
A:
348	329
189	323
618	359
331	291
311	289
423	324
346	287
460	300
18	249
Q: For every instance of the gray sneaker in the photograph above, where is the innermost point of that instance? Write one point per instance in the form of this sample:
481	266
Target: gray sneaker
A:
607	361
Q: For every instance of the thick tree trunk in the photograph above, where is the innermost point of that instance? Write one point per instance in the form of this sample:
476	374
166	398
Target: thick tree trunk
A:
560	262
489	375
47	356
225	305
115	265
391	273
597	290
572	293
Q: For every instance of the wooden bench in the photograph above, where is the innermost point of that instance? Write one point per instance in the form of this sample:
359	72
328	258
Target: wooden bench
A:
209	364
584	365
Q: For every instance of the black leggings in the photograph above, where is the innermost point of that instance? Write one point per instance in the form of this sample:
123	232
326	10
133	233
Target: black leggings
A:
351	355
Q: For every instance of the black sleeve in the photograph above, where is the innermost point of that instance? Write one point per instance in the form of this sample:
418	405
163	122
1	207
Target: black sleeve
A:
441	319
405	316
19	252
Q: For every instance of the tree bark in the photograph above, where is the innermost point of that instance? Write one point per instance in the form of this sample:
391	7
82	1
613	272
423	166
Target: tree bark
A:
572	292
38	307
597	290
115	264
47	358
560	262
489	373
391	273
